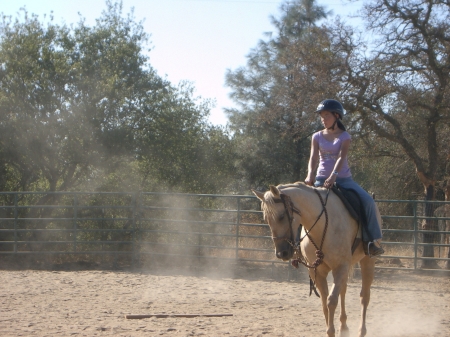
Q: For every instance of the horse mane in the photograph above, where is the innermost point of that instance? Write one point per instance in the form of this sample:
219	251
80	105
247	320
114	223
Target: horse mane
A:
267	205
269	199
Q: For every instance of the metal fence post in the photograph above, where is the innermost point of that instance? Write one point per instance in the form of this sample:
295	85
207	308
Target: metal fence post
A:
416	233
133	244
75	215
238	221
15	223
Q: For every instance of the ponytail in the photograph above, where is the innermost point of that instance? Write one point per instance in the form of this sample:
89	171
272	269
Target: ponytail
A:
340	125
338	122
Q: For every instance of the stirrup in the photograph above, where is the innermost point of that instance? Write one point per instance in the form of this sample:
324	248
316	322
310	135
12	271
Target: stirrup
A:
371	249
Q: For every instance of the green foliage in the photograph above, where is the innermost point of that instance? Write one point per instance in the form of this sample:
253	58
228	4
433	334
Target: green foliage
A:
400	90
82	108
178	149
392	81
284	80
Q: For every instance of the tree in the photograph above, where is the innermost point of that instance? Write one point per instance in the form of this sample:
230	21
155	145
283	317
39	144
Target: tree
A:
80	105
401	91
394	86
281	82
66	94
178	150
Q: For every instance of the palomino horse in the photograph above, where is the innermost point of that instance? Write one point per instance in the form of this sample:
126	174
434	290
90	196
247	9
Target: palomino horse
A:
326	243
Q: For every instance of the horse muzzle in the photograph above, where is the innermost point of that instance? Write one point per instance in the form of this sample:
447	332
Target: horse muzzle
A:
284	251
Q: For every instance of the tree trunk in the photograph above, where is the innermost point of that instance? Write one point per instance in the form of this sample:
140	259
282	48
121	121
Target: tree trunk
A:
428	224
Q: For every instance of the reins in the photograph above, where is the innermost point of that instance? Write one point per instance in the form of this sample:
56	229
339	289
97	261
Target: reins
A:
319	252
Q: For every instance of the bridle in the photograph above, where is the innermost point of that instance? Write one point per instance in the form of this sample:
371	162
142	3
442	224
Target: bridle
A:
290	209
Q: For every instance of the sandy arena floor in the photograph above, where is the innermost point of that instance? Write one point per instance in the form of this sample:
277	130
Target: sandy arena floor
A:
95	302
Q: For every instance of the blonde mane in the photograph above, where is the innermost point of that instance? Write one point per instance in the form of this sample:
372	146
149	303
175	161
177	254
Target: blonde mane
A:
269	199
267	205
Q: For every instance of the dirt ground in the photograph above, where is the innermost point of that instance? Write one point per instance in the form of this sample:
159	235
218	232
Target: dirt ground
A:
70	301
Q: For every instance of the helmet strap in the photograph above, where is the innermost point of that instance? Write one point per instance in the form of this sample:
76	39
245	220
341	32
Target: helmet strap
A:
334	124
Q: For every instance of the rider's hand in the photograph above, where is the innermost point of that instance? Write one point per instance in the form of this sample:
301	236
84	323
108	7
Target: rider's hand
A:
309	181
330	181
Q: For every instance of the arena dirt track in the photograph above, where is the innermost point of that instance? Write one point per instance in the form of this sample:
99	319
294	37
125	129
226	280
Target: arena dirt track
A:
94	303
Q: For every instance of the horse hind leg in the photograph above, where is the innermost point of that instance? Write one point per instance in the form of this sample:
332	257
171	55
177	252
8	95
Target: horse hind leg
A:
367	274
344	330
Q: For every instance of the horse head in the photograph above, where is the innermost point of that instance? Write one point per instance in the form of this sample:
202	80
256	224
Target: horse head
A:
278	211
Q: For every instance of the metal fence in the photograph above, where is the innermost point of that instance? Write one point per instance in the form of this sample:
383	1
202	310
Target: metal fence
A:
134	228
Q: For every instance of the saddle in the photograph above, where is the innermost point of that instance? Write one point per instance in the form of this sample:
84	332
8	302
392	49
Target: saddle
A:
350	198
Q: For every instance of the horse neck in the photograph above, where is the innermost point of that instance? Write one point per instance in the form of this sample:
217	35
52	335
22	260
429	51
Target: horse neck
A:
310	206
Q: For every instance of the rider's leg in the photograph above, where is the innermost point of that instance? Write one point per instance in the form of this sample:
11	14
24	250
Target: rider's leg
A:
373	227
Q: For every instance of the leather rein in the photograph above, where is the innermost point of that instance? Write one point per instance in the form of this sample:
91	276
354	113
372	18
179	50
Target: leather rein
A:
290	209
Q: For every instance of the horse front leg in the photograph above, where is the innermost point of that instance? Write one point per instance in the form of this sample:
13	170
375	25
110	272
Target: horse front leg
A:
320	279
367	274
344	331
340	276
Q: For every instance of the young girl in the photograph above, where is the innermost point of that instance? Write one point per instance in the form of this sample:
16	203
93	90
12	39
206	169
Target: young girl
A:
329	149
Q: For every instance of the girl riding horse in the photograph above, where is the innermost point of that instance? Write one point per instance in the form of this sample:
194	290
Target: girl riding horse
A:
328	165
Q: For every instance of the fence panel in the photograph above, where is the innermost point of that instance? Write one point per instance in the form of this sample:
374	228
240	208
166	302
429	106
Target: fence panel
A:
66	226
132	228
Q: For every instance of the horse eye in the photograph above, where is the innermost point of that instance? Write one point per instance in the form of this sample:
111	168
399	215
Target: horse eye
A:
281	217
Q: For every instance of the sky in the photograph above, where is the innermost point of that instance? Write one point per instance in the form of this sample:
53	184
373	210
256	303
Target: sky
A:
191	40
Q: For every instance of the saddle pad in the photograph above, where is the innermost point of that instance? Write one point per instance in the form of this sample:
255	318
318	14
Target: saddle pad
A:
351	201
353	204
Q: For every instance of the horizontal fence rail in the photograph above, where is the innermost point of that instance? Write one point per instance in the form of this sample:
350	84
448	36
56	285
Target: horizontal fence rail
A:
136	228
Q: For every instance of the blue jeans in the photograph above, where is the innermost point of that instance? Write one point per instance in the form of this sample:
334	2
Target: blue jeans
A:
373	230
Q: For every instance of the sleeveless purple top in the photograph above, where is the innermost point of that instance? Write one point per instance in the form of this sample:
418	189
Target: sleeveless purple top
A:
329	153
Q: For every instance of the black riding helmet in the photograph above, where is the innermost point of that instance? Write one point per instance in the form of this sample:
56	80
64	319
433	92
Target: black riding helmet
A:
331	105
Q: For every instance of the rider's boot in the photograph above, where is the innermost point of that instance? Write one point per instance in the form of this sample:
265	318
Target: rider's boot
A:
372	248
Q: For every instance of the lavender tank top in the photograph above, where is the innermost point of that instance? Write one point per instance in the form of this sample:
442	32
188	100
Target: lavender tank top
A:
329	153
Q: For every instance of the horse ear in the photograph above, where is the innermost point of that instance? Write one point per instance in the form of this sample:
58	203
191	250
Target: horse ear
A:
259	195
275	191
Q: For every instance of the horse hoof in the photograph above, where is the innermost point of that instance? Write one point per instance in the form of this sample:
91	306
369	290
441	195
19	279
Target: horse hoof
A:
330	333
344	333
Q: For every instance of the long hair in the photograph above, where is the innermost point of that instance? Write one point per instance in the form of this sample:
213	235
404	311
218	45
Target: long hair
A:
341	125
338	122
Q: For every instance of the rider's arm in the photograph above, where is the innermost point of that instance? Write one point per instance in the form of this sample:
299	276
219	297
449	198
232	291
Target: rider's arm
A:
342	155
313	162
339	162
